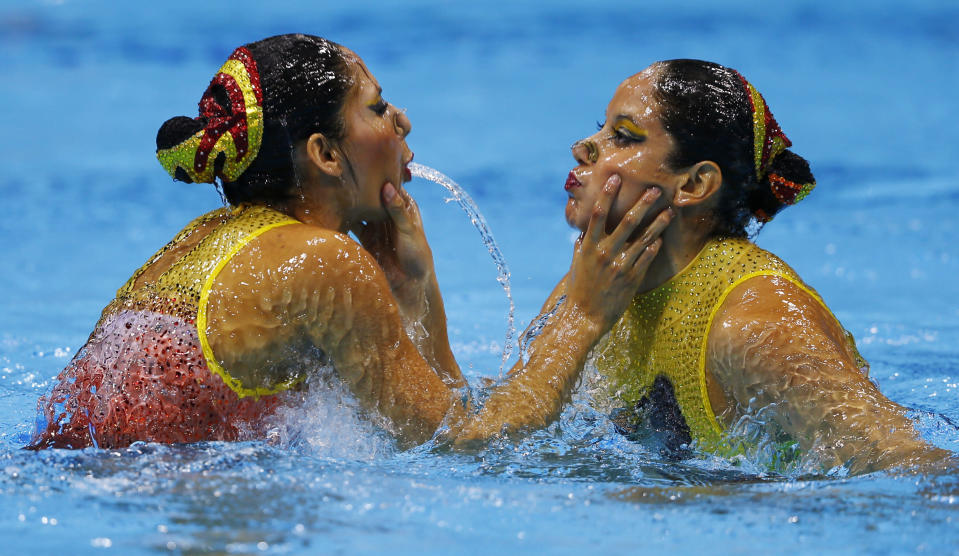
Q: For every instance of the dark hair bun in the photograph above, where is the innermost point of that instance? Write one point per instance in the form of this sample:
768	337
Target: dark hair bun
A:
177	130
763	202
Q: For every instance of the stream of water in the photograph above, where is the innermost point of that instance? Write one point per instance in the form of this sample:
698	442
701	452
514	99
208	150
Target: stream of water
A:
462	198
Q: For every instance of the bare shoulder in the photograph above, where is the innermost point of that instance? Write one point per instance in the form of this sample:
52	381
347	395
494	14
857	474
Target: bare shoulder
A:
769	324
304	274
763	303
311	249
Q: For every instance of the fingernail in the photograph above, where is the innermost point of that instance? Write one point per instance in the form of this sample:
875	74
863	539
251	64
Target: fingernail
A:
612	183
389	192
651	194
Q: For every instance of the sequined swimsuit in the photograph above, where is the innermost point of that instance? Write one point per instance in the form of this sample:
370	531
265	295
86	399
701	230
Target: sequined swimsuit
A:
147	372
664	333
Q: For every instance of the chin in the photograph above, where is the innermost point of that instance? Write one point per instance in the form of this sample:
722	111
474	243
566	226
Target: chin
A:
573	219
570	213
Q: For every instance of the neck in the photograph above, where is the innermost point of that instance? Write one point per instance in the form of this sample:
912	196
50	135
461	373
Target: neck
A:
317	205
317	215
682	242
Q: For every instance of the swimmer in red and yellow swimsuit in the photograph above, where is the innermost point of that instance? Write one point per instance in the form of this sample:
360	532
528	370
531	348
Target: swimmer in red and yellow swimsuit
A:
148	371
244	304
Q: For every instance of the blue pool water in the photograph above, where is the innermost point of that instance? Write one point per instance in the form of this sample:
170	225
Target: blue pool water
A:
496	91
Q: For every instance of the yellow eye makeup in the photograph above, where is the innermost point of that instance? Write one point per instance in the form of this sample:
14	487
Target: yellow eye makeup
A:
627	127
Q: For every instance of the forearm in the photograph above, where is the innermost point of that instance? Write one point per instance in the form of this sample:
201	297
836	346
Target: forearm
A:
424	316
535	391
605	273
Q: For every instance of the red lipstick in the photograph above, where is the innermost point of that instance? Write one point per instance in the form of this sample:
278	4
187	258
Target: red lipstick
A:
571	182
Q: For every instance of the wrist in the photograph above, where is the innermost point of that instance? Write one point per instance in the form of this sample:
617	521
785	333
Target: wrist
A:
587	324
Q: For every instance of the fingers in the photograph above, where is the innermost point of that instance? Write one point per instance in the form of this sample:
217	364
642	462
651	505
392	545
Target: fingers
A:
637	248
646	256
397	203
597	220
655	228
412	209
624	230
392	199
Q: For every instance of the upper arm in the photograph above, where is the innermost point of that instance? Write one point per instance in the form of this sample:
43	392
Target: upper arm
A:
304	285
774	346
770	335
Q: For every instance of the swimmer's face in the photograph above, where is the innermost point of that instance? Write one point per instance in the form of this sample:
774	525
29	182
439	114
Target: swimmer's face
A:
631	143
375	142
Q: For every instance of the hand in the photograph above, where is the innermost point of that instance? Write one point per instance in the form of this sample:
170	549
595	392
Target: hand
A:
607	269
398	243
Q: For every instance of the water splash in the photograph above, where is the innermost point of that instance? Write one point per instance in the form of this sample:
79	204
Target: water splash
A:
326	420
466	202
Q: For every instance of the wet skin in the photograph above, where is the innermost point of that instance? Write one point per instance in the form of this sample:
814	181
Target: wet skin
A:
375	144
631	144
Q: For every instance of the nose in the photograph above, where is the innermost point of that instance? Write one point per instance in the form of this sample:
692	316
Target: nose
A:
585	151
402	122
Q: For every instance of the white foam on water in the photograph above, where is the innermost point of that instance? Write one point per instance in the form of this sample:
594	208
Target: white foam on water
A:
327	421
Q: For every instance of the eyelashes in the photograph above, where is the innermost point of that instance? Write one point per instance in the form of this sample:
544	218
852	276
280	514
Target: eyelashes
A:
622	135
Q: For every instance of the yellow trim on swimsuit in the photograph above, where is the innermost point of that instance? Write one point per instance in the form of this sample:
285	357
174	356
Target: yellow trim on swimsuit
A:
201	322
183	289
704	392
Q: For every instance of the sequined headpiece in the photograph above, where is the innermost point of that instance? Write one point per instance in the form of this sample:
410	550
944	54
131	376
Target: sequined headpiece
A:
768	142
234	130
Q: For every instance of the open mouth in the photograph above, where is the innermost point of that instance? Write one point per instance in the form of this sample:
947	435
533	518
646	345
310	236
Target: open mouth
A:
407	175
572	182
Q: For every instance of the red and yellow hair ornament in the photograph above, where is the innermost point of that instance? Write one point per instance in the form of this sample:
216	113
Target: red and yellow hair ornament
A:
789	192
769	141
233	129
768	138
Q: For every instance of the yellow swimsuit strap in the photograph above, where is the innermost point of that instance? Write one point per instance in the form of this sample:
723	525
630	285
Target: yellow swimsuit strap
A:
202	322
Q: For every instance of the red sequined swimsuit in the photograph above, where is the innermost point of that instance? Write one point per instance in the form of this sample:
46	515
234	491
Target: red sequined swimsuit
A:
147	372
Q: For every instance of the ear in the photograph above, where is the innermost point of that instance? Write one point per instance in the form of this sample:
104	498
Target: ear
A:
702	180
322	154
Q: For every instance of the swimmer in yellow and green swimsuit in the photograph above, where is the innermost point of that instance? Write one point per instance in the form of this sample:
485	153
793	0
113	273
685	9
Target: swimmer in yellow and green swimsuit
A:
721	329
221	325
